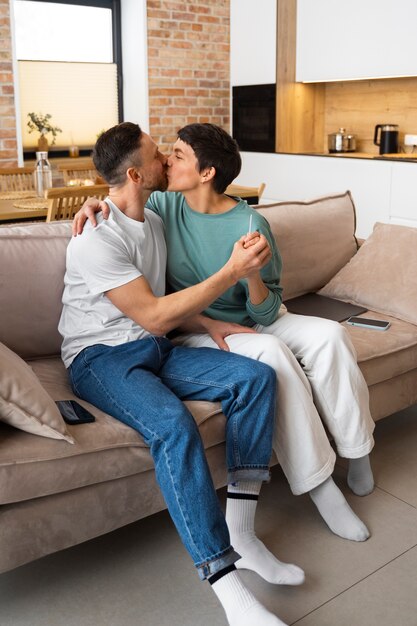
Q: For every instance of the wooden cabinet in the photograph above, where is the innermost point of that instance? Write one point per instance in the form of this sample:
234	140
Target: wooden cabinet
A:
299	126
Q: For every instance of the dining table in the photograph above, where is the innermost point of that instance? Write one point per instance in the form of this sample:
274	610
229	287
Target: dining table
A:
23	206
15	208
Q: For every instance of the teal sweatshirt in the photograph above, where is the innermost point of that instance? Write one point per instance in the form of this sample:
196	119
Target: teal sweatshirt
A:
199	244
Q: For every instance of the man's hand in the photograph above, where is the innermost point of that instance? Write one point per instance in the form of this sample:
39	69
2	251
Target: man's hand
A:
246	260
88	211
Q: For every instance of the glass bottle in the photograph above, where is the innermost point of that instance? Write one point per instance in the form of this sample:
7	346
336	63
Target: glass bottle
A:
42	173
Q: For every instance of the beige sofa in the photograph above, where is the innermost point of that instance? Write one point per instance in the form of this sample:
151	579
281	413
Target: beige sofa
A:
55	494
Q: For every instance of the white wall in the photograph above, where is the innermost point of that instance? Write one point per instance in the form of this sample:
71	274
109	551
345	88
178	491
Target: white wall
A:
135	62
253	25
348	39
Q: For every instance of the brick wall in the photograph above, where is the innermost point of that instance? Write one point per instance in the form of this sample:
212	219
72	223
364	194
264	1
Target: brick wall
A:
8	143
189	72
189	69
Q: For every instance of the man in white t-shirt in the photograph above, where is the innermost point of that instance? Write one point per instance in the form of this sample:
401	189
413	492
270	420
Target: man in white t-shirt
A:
114	319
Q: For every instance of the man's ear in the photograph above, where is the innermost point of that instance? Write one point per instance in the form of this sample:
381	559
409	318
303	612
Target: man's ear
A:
208	174
133	175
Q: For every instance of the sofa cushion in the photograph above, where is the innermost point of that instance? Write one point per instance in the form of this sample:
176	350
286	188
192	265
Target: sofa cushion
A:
315	239
384	355
103	450
24	403
32	267
382	275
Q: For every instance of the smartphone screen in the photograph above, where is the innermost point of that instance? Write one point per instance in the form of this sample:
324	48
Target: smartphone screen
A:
366	322
73	413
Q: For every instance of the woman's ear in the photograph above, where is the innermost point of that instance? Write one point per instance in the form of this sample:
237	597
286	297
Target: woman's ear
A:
208	174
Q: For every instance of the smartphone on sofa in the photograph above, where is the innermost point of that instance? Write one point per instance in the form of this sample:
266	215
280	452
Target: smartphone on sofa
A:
367	322
73	413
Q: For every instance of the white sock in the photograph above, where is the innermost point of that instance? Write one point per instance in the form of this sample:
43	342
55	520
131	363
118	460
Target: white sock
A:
240	605
242	500
360	478
336	512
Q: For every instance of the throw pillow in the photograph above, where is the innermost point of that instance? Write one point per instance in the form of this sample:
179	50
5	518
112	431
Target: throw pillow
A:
315	239
382	275
32	268
24	403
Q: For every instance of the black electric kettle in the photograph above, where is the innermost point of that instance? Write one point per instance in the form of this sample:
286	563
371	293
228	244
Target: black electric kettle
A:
388	142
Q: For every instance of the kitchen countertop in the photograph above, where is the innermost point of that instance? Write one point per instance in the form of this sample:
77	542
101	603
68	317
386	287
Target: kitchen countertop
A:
401	156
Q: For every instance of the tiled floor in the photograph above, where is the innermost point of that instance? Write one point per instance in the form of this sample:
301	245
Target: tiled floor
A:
142	576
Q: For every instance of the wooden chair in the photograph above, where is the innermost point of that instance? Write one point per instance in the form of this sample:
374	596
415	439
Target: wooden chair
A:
80	171
64	202
252	195
17	179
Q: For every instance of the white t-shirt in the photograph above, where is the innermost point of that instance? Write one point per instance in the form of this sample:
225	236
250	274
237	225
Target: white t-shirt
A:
114	253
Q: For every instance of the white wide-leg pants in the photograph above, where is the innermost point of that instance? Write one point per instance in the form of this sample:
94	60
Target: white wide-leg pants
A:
316	366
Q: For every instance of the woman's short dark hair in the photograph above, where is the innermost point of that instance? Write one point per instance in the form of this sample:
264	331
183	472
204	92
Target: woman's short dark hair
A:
116	150
213	147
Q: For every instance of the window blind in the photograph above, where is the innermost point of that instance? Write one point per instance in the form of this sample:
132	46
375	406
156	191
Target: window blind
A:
81	98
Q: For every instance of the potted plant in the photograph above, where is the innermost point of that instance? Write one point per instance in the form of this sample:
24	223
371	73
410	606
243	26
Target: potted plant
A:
41	123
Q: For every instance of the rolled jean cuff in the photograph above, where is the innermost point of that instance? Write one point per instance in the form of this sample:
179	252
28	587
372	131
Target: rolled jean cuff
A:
259	474
217	563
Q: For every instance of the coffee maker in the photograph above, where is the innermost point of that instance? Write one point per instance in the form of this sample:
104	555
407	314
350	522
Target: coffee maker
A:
388	138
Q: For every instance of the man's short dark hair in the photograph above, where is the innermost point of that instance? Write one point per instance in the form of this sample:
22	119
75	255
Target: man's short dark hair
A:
116	150
213	147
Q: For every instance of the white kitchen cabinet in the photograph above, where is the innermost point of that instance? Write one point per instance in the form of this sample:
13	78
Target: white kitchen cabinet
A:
404	193
356	39
253	26
383	191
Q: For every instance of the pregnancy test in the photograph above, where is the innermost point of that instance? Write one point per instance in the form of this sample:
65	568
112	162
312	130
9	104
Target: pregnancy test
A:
250	224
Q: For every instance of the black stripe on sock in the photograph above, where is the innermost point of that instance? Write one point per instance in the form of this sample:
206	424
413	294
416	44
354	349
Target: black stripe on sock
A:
242	496
213	579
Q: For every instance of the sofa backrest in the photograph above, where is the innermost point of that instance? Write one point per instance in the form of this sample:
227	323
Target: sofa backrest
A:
315	239
32	267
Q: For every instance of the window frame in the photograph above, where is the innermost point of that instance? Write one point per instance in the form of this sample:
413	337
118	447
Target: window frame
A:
115	7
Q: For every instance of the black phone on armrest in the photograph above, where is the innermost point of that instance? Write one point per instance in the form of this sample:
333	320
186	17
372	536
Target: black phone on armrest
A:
73	413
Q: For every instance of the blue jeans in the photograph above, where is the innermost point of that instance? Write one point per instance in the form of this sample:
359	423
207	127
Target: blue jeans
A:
141	383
